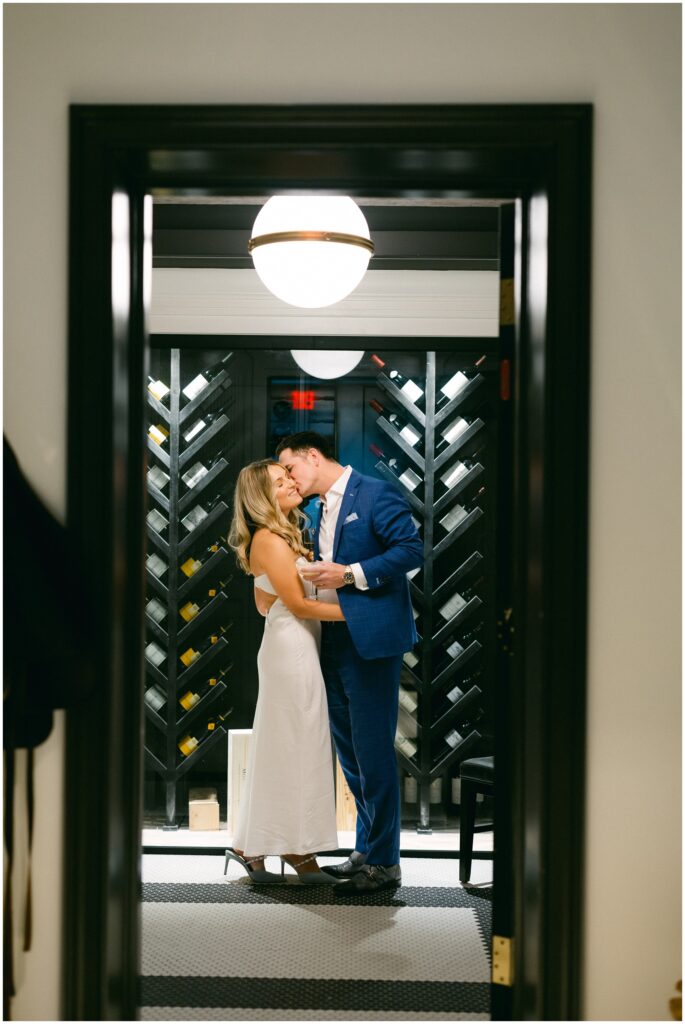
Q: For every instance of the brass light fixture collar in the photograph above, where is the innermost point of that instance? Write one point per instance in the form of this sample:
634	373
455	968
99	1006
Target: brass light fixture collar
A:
311	236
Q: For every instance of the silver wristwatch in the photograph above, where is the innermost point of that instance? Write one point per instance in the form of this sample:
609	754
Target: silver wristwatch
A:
348	577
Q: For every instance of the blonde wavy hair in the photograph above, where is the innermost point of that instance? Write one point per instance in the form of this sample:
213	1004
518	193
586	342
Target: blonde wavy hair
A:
254	506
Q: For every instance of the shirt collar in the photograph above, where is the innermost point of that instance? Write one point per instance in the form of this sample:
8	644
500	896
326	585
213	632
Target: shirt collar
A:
338	488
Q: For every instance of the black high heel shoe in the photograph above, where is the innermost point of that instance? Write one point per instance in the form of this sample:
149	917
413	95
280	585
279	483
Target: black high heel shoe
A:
308	877
254	874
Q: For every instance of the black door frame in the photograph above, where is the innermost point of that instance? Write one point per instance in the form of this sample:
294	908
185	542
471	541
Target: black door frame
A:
539	155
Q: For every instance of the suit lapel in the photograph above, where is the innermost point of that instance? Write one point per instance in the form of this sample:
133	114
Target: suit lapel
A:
346	505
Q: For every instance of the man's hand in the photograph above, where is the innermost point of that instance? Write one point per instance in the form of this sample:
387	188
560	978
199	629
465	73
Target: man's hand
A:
324	575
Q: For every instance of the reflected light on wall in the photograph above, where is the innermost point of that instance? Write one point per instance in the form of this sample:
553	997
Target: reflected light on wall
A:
326	365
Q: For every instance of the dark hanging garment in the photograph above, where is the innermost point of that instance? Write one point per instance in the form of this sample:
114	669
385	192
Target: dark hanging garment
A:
48	630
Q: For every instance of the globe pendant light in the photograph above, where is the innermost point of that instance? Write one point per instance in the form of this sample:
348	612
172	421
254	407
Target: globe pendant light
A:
310	251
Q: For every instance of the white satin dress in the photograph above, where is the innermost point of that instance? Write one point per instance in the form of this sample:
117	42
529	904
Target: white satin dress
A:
288	805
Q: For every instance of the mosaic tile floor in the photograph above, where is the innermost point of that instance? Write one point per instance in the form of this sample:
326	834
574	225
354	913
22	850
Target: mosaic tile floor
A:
216	947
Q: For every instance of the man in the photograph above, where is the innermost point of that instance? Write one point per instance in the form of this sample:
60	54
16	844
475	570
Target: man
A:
365	543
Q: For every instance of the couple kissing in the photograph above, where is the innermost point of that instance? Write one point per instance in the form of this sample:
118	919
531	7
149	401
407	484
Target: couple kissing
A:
336	627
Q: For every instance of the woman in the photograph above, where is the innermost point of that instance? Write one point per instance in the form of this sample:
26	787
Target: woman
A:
288	808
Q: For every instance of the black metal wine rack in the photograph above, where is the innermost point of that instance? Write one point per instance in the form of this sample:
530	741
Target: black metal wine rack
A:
428	669
170	587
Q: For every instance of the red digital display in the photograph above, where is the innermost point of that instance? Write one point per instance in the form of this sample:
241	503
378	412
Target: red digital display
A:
302	399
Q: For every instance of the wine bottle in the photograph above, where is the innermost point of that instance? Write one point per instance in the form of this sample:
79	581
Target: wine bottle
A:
459	600
457	647
407	477
456	693
204	379
459	469
450	434
199	425
189	743
191	698
451	741
406	745
410	659
406	430
156	610
409	388
458	513
158	433
157	477
193	565
190	609
156	520
156	565
199	469
193	653
407	700
199	512
411	789
158	389
455	384
155	654
155	697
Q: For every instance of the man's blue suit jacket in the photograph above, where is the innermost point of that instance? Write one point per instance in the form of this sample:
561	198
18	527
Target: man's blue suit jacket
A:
375	528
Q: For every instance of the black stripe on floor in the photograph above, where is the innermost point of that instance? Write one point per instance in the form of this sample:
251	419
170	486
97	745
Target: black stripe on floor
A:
316	994
243	891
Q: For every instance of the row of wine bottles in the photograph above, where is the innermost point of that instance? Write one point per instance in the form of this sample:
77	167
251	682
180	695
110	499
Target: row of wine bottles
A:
190	520
158	433
453	651
159	390
156	696
409	700
192	477
188	611
416	395
410	790
188	744
458	600
158	567
408	477
156	654
411	433
451	741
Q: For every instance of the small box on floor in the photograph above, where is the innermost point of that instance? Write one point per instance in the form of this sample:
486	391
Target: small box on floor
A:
203	810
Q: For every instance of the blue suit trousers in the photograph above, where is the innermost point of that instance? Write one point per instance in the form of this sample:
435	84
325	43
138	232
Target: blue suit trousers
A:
362	708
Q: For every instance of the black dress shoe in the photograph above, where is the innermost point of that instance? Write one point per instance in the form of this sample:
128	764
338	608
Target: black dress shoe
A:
348	868
371	878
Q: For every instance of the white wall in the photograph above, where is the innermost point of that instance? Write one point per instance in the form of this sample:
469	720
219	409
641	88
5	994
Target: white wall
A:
626	60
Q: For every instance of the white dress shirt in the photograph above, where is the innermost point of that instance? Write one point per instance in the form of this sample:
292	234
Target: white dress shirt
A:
330	509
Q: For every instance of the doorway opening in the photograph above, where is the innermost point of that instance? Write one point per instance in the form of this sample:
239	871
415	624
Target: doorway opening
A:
538	157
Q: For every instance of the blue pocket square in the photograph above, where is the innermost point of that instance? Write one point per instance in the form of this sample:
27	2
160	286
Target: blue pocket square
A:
351	518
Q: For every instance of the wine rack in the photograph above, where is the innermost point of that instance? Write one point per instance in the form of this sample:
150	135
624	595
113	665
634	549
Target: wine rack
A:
442	701
187	654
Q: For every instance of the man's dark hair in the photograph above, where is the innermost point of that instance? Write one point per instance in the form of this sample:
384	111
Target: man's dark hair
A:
305	440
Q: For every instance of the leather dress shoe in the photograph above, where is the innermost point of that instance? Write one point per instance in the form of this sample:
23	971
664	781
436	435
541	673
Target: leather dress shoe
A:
371	878
348	868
